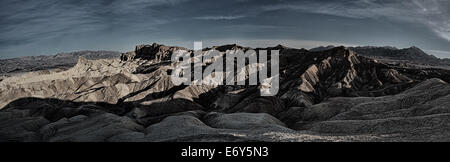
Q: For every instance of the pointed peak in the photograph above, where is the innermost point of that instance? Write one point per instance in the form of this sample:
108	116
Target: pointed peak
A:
82	60
228	47
415	48
281	46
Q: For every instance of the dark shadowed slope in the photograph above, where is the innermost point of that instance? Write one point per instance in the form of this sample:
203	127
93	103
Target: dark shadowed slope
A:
412	55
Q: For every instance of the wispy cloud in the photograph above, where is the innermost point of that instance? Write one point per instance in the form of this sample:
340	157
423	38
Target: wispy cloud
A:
35	22
219	17
433	13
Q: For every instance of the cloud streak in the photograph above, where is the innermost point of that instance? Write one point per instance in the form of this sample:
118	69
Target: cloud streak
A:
433	13
219	17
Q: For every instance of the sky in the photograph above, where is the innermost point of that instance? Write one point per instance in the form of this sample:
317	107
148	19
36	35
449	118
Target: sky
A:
42	27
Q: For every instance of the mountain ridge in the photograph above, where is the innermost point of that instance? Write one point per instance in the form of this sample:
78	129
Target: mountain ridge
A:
413	55
331	95
46	62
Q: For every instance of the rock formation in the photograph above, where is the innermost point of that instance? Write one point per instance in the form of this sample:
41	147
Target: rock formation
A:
325	95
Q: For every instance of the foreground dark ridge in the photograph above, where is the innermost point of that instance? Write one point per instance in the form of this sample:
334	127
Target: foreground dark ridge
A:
330	95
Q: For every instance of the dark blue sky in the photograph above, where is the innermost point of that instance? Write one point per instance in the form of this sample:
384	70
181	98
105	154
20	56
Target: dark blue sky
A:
35	27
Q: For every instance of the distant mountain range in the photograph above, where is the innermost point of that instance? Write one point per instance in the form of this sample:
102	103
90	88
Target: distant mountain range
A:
61	60
411	55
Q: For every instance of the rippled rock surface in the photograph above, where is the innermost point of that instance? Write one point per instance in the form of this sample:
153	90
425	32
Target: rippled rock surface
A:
328	95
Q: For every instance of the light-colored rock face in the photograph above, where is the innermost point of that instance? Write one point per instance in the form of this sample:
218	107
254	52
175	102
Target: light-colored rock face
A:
332	95
58	62
92	81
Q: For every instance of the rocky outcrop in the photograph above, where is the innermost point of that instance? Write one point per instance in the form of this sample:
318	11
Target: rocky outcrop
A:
155	52
338	72
423	107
